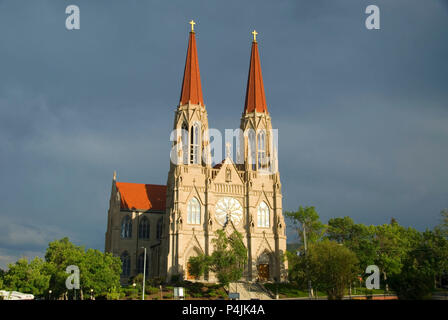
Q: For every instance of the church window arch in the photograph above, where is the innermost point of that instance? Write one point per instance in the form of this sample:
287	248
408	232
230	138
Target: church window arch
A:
193	211
252	150
159	229
125	264
261	143
184	139
143	228
195	143
263	216
126	227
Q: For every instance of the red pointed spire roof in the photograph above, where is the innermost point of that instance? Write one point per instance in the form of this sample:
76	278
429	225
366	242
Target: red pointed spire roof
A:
191	85
255	97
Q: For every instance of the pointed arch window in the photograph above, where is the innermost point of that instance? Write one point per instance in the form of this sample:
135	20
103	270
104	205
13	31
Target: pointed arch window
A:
184	139
141	263
195	143
125	264
263	216
252	151
126	227
261	143
194	211
159	229
143	228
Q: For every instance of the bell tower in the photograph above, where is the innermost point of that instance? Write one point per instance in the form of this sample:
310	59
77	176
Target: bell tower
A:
189	166
263	187
259	149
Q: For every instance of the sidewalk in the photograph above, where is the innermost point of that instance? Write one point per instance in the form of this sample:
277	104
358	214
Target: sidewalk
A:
352	297
249	291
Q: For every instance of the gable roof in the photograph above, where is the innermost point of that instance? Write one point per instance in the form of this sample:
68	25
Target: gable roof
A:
139	196
239	166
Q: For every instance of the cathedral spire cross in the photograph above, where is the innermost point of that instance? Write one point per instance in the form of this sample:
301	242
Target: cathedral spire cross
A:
192	25
255	35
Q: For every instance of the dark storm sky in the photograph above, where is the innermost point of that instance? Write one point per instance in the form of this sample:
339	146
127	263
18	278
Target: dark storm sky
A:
362	115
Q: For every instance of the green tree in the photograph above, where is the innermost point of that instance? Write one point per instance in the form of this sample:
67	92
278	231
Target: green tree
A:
59	255
199	265
340	229
98	271
442	227
394	243
415	281
227	260
2	274
359	238
307	219
297	269
435	259
28	277
332	267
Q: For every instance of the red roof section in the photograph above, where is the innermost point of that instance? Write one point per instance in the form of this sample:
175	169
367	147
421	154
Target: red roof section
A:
191	85
139	196
255	97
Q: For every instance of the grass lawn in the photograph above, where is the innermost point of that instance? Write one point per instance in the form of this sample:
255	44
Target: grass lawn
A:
192	291
289	290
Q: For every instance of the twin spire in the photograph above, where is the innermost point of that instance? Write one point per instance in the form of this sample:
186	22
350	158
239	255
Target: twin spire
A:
191	85
255	97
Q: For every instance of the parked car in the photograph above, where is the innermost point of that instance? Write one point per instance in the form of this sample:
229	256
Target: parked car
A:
14	295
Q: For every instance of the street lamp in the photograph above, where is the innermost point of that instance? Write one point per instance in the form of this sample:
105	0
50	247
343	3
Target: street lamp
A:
49	294
91	294
144	274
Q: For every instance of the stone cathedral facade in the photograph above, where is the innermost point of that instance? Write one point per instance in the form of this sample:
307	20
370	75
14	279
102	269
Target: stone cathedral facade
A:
179	220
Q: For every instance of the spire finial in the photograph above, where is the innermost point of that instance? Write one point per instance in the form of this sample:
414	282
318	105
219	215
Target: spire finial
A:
192	25
115	175
255	35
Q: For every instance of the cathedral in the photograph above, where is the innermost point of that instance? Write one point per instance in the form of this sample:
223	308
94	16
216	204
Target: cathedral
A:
173	222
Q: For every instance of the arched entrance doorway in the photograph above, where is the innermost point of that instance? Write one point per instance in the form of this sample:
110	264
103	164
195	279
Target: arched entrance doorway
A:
264	266
194	252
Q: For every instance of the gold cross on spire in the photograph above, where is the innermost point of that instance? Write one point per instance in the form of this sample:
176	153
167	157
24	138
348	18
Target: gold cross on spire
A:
192	25
255	35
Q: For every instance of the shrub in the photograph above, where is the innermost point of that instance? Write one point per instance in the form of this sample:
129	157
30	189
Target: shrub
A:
412	285
151	290
176	278
168	296
113	296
